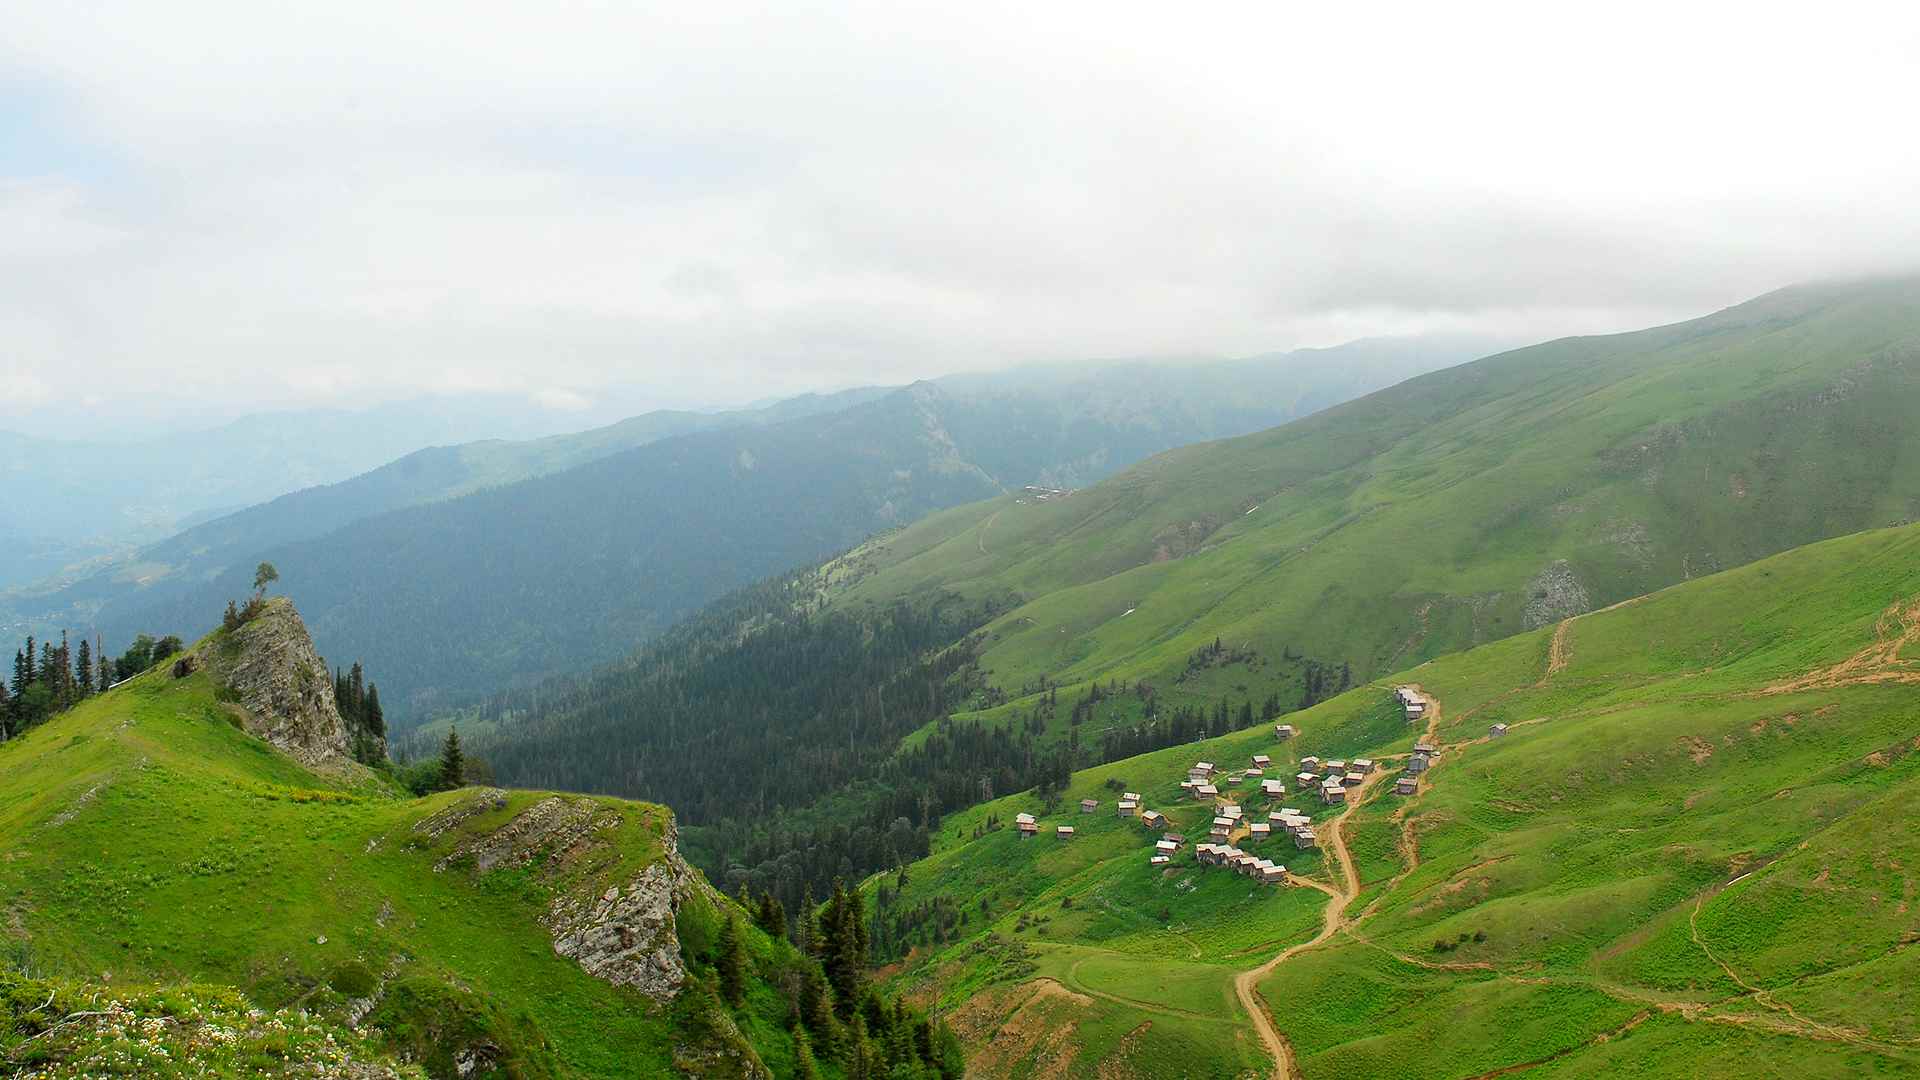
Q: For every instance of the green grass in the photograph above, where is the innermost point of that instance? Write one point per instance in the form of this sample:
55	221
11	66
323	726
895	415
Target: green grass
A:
145	839
1651	817
1416	522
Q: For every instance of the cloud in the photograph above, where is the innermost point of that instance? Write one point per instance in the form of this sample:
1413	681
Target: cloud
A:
349	202
21	389
560	399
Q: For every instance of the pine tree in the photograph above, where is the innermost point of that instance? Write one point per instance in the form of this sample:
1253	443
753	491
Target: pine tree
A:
32	675
83	671
862	1062
63	678
731	963
857	920
923	1041
231	620
806	928
804	1067
6	714
374	719
453	765
771	916
357	692
815	1012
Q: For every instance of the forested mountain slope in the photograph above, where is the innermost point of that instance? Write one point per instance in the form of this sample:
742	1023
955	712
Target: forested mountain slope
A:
159	856
1693	852
1220	584
561	571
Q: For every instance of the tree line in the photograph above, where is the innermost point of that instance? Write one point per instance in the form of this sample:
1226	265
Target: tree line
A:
834	1013
49	679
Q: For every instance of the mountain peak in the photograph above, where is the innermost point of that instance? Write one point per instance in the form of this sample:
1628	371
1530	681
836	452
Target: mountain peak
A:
277	684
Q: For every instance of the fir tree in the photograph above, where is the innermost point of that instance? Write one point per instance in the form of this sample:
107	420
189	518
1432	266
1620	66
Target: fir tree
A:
83	671
815	1012
63	677
453	765
731	963
804	1067
374	719
862	1062
806	928
923	1041
771	916
49	659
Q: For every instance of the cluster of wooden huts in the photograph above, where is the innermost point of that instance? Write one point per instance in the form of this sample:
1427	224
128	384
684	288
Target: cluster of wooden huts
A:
1265	871
1029	828
1332	779
1416	708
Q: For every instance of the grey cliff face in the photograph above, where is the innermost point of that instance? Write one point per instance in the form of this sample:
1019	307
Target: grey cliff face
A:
626	934
281	684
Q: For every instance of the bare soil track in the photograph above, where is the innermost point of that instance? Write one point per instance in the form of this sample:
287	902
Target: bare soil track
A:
1897	630
1339	895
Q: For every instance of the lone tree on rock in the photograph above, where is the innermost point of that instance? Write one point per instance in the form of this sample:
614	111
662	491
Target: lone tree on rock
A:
263	576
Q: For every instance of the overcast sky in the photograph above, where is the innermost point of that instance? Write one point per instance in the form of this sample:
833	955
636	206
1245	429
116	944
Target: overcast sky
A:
284	204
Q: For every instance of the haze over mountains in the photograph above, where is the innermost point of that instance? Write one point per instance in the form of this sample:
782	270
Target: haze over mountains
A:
476	566
105	496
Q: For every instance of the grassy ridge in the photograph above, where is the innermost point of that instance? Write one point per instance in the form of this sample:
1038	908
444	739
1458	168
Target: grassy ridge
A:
146	839
1693	852
1457	508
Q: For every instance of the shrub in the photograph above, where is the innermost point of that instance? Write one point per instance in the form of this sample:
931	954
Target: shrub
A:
353	979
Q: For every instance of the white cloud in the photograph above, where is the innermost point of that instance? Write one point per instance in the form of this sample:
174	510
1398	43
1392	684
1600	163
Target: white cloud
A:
22	389
561	399
269	205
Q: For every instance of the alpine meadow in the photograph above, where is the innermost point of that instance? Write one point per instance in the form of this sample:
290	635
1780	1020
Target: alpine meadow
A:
900	542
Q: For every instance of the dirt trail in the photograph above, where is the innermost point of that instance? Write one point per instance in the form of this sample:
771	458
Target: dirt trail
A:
1758	993
1558	652
1078	985
1897	628
1246	984
981	539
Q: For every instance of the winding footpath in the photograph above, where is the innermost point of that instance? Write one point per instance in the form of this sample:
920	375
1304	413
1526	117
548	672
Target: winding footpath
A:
1246	984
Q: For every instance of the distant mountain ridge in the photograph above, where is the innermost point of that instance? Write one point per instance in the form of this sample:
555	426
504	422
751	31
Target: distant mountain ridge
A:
600	543
72	500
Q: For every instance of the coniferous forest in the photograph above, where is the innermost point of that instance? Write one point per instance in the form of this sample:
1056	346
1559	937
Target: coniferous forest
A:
796	723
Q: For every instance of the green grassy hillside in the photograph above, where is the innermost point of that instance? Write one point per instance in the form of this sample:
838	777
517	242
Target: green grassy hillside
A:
1456	508
1694	853
155	855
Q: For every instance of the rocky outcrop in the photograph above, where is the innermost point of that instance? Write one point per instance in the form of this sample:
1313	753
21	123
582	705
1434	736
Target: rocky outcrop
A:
619	926
626	933
270	669
1554	595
